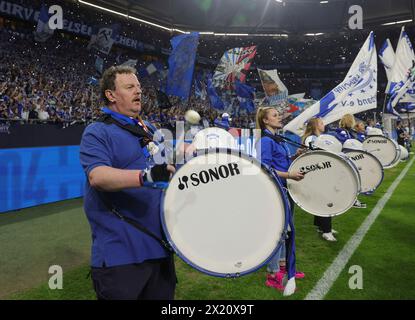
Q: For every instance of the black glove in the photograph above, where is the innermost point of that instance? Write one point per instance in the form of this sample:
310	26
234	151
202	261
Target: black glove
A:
160	173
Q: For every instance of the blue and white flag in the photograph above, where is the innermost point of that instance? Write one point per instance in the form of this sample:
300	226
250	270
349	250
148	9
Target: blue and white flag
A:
275	91
215	101
244	91
401	86
43	31
102	39
181	64
356	93
387	56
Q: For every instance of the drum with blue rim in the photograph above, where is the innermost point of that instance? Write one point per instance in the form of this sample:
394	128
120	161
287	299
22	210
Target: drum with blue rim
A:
224	213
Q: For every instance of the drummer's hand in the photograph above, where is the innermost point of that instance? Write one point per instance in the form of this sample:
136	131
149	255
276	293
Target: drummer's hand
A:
296	175
170	168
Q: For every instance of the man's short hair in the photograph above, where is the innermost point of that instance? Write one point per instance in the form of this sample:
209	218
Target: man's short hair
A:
107	81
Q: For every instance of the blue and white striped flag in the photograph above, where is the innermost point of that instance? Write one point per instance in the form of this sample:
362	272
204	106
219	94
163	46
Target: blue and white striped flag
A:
356	93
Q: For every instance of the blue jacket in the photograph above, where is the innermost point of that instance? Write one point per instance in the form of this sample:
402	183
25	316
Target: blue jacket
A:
115	242
274	154
343	134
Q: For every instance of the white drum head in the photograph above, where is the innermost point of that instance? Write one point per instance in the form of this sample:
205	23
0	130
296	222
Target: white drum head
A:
223	214
212	138
329	143
383	148
370	169
330	186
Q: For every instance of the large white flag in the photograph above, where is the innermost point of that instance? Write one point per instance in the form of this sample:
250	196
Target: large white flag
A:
274	88
357	92
401	86
387	56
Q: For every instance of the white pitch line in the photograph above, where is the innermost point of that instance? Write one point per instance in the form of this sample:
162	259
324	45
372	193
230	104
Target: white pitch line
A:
332	273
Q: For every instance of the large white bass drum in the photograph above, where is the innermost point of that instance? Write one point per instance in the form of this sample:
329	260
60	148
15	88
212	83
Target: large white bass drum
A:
225	214
330	185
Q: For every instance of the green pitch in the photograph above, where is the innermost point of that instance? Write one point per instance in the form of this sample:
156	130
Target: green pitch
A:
33	239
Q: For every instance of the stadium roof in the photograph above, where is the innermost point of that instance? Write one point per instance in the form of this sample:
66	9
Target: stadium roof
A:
262	16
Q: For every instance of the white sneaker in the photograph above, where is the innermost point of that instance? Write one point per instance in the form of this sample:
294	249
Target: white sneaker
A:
329	237
359	205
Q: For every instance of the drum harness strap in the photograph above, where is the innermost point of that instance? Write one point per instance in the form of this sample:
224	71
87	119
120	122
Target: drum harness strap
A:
146	138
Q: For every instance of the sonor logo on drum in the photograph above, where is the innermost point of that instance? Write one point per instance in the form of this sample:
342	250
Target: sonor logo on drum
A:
314	167
377	141
358	157
210	175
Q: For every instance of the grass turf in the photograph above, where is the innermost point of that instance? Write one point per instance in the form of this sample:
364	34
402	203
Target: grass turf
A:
313	257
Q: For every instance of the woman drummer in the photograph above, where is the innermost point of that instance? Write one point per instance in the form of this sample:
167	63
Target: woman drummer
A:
276	155
344	132
315	127
346	128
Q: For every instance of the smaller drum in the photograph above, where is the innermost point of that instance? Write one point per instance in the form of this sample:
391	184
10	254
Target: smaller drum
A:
385	149
329	143
330	185
370	169
212	138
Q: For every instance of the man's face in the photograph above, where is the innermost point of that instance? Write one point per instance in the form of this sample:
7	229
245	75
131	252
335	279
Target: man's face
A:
127	95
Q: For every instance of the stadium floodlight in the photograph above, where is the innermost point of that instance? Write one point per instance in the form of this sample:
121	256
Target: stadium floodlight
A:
396	22
233	34
130	17
314	34
324	2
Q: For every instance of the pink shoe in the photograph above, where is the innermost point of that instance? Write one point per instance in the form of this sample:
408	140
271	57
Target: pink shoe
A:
298	274
275	281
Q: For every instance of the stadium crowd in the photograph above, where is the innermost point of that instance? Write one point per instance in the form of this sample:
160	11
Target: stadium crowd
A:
50	81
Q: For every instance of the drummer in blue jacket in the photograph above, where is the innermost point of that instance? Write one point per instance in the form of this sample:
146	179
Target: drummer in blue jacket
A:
360	130
276	155
346	128
126	262
344	132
